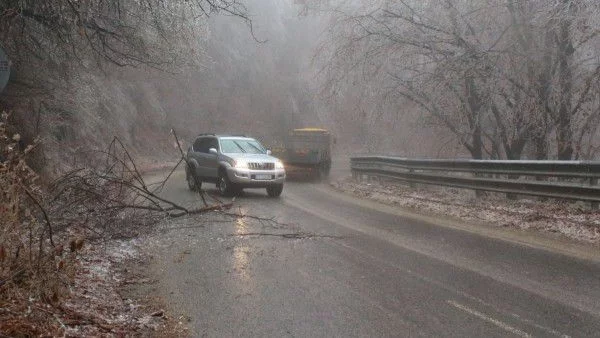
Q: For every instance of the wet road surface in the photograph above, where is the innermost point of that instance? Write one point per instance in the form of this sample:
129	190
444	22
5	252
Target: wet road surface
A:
337	266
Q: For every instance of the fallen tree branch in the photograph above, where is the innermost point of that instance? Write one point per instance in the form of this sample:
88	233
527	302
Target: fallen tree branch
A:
118	186
293	235
162	184
204	210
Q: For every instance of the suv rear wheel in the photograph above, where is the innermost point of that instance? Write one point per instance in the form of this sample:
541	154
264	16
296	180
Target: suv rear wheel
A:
193	183
275	190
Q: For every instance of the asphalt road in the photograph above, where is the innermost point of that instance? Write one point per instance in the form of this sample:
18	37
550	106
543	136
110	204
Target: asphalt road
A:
337	266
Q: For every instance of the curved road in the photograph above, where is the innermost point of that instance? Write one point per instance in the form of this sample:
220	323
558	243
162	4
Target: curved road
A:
334	265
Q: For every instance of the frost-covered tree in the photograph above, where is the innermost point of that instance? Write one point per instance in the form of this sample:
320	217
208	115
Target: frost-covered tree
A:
504	77
62	36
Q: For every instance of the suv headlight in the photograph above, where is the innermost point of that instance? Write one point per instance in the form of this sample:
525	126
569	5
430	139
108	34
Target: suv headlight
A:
241	164
279	165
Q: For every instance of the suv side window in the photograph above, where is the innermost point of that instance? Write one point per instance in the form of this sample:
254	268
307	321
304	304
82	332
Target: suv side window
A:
213	144
204	145
198	144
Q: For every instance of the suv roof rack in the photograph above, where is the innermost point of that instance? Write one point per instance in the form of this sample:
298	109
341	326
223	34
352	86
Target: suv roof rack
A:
214	134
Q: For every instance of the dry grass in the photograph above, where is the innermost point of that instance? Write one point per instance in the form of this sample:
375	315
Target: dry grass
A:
32	269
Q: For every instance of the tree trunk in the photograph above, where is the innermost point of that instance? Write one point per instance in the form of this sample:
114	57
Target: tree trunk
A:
564	132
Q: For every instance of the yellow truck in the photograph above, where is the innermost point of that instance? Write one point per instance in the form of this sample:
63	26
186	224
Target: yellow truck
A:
307	152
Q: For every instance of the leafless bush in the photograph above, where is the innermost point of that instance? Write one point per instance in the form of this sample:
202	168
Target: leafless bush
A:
116	193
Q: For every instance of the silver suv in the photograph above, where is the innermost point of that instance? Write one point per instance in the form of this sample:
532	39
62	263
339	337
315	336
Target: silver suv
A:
233	163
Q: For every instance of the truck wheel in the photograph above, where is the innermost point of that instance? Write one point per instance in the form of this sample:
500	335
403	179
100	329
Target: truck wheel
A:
323	171
226	188
193	183
275	190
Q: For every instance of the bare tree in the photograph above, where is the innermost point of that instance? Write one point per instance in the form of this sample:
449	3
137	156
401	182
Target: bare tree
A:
51	41
155	33
496	75
74	64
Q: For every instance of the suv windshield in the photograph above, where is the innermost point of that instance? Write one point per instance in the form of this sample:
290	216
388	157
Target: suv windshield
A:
233	146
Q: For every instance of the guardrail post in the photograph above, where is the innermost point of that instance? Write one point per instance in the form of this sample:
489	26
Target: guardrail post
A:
512	196
594	181
412	185
376	179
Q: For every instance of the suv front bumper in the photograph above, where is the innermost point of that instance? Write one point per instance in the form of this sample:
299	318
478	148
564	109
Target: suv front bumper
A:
255	178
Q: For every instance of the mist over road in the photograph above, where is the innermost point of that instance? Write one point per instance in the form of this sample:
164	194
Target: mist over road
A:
338	266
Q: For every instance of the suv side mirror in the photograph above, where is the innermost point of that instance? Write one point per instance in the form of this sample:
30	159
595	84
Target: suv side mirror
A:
269	152
213	151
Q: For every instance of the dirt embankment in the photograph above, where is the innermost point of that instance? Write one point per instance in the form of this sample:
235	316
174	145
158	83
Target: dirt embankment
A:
573	220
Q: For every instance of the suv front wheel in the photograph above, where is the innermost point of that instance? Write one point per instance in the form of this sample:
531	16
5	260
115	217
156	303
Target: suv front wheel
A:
226	188
275	190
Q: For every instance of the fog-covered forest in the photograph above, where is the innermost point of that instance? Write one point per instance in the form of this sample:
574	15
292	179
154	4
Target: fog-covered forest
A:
239	68
481	79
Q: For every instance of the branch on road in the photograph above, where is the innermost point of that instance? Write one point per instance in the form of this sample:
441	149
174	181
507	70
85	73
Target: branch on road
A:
115	192
293	235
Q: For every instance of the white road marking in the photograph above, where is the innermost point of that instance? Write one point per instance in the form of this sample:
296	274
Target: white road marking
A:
489	319
444	286
541	327
299	203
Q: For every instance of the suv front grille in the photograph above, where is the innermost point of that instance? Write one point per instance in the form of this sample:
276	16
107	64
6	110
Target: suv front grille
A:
261	166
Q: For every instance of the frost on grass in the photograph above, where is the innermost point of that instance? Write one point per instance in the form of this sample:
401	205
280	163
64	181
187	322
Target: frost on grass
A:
95	306
58	244
573	220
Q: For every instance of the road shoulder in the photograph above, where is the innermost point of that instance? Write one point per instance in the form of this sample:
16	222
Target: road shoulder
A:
553	242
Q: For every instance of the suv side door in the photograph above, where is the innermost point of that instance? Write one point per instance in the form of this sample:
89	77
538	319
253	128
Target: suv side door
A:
207	163
196	155
212	162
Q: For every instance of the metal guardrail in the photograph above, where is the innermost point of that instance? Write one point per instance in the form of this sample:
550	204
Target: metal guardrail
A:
487	175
